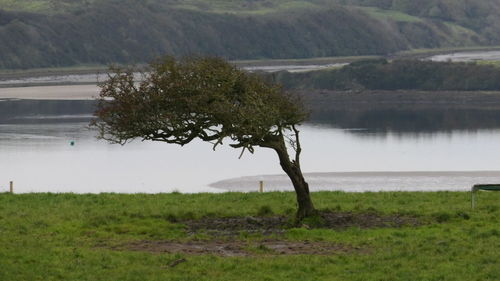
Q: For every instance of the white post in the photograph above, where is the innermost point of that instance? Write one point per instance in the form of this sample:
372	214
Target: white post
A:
473	191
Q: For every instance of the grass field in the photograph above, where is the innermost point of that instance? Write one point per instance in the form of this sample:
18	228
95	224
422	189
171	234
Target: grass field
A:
44	6
389	14
88	237
217	6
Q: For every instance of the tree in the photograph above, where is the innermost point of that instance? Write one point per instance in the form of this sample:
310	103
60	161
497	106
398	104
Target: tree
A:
209	99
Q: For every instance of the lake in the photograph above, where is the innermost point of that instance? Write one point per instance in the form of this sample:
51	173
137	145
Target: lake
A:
40	157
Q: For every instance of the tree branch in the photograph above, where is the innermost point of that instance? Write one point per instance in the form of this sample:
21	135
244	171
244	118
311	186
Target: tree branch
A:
298	148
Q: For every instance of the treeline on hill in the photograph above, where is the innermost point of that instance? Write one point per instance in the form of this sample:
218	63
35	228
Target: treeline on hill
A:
481	16
128	31
136	33
379	74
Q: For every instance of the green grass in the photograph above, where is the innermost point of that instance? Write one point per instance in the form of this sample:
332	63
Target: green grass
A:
25	5
389	15
216	6
45	6
69	237
247	7
494	63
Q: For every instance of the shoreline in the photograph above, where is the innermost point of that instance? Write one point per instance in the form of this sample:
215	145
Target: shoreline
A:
370	181
61	92
6	74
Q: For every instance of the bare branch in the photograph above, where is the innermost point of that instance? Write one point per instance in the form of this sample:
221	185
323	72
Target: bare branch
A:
242	151
219	141
298	148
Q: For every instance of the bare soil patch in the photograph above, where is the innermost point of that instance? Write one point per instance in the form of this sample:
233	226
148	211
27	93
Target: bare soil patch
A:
337	220
241	248
236	225
229	227
279	224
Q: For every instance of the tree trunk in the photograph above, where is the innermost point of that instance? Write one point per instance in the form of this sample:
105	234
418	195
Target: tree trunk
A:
292	169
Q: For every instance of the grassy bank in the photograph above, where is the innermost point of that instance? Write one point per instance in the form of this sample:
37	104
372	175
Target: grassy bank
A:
88	237
93	69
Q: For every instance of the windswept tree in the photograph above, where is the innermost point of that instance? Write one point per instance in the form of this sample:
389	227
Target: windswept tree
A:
209	99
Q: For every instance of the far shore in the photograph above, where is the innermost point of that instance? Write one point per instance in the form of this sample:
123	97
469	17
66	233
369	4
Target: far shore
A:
93	69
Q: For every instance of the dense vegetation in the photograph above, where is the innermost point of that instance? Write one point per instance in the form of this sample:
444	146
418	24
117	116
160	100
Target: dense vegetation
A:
85	237
479	16
43	33
379	74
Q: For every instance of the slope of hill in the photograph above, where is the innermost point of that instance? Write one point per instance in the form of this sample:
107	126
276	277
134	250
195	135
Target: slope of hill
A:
48	33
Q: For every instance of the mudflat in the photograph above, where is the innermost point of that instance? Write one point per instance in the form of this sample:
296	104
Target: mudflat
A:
66	92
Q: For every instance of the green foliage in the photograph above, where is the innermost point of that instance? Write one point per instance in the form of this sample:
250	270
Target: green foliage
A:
195	98
378	74
390	15
57	33
47	6
139	32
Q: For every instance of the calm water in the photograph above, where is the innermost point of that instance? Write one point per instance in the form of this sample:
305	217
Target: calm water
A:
40	158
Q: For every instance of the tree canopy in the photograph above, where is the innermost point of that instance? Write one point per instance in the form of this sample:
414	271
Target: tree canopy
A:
205	98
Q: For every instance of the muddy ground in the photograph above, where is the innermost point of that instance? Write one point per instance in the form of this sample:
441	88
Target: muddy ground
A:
238	248
278	224
225	233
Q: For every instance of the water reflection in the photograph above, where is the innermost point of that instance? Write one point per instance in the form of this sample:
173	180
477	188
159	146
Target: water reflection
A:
405	111
365	120
13	111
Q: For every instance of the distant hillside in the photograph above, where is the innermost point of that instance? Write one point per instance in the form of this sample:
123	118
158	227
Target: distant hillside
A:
48	33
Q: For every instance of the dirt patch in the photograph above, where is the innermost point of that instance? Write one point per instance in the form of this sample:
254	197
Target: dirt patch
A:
337	220
241	248
237	225
233	226
279	224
